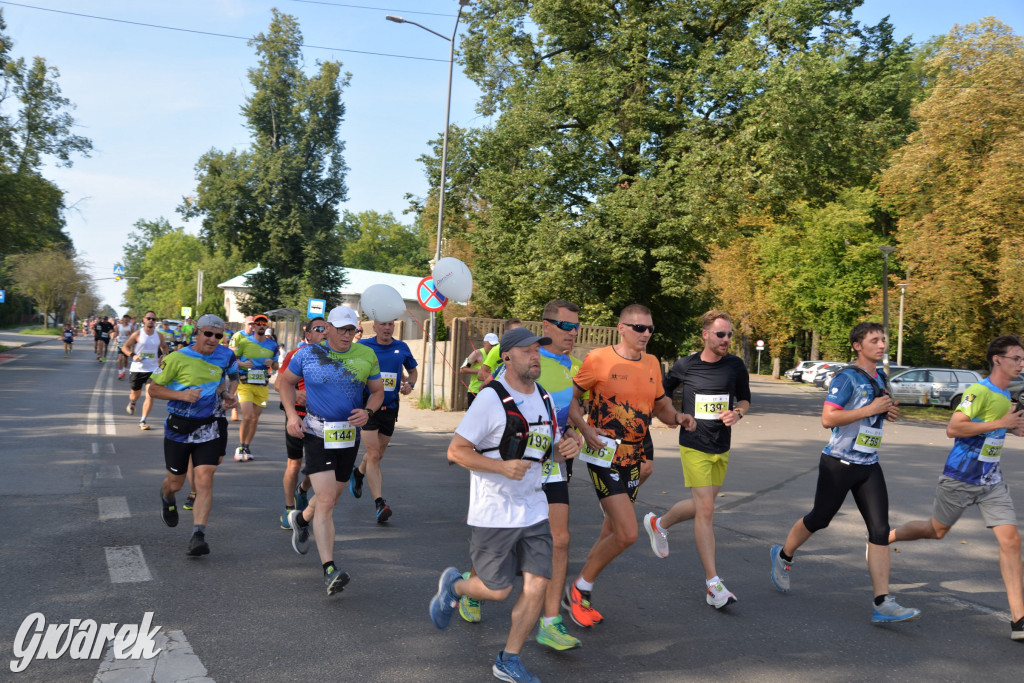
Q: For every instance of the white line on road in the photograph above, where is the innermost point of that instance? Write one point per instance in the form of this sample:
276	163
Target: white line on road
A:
109	472
95	448
92	421
108	404
127	565
175	662
114	507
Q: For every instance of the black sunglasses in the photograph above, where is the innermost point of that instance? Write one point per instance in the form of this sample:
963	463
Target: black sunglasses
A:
640	329
723	335
149	318
215	335
563	325
318	328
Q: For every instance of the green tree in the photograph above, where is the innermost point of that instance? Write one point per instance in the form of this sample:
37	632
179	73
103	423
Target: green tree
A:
51	278
958	189
35	126
630	137
276	202
379	242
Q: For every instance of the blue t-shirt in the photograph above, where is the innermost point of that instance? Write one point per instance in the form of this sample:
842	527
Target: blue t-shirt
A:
975	459
249	348
189	369
852	390
556	374
392	358
334	380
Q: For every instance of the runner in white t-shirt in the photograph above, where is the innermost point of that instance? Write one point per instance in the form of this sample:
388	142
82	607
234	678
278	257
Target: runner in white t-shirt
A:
124	328
508	511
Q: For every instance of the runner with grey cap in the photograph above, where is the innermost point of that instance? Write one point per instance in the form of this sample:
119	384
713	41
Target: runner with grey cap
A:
199	383
508	511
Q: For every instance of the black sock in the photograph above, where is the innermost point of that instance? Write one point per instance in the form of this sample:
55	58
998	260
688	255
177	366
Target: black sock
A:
879	599
300	521
379	502
329	565
289	507
784	556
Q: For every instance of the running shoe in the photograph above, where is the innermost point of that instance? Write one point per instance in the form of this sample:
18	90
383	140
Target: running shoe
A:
1017	629
469	609
659	539
891	611
120	374
197	545
780	569
383	512
512	669
130	409
190	501
169	511
355	483
443	603
300	534
143	426
301	499
284	520
719	596
577	604
335	580
556	637
242	454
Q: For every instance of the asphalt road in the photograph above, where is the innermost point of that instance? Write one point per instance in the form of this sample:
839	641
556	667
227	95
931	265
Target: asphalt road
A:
254	610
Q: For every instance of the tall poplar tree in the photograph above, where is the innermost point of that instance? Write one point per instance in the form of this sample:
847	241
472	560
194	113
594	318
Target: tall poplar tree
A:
276	202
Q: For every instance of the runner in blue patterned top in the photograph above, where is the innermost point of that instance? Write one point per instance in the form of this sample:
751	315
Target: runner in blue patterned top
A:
972	475
335	373
199	383
394	356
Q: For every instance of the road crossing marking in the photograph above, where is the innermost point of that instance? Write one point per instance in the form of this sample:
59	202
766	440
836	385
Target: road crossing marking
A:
126	564
113	507
175	662
109	472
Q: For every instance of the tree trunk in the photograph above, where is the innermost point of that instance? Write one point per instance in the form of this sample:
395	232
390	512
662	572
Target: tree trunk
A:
776	366
815	340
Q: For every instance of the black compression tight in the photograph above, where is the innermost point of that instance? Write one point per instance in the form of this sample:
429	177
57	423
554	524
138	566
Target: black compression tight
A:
866	482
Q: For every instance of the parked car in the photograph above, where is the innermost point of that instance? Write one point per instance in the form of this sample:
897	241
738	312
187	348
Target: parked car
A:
818	379
1016	385
932	386
808	373
826	380
797	373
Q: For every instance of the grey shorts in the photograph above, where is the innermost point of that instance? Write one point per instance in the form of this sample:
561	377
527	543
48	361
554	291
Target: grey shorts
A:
500	554
952	497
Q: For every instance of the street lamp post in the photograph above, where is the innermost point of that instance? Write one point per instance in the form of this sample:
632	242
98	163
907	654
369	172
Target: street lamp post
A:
886	250
899	335
444	168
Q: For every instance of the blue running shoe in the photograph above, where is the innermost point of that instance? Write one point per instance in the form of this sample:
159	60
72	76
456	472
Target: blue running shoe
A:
511	668
443	603
284	520
780	569
355	483
891	611
301	499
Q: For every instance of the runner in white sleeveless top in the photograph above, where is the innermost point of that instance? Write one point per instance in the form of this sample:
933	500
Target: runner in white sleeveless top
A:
145	346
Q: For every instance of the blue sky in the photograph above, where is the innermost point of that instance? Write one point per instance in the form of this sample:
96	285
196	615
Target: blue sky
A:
154	100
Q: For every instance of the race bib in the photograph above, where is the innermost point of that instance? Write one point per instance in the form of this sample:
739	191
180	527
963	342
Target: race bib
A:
339	435
868	440
255	376
551	472
537	444
991	449
104	335
390	380
148	355
707	406
602	457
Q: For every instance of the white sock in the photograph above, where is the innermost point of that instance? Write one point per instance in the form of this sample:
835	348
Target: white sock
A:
657	523
547	621
713	580
584	585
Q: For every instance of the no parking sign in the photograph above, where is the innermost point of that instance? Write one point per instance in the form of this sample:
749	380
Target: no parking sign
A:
429	297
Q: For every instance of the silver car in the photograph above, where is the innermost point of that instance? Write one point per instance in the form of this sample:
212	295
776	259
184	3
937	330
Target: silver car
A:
932	386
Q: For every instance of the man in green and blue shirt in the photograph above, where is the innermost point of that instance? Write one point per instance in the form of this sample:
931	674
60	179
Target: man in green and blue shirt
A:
972	475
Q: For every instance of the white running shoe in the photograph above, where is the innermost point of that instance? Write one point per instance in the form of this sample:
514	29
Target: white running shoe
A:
659	539
719	596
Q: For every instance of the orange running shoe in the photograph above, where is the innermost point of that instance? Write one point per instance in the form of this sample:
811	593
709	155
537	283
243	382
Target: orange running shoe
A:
577	604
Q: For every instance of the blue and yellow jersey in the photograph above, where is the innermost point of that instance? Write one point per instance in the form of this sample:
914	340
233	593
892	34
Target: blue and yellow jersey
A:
556	374
247	348
858	441
975	459
334	380
189	369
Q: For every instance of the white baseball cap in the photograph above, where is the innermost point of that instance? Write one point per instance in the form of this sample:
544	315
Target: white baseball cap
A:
342	316
491	338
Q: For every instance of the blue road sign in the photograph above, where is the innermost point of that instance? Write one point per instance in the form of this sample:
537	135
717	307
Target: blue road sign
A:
3	296
118	269
316	308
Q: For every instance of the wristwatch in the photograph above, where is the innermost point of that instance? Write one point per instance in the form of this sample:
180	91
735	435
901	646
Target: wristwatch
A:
739	412
369	412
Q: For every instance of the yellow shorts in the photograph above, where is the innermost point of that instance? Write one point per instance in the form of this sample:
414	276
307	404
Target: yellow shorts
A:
253	393
703	469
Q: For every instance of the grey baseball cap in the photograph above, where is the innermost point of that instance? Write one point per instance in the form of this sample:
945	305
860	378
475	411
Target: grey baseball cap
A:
210	320
521	337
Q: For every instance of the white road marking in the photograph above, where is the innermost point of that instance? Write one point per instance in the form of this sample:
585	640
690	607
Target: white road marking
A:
108	404
127	565
175	662
108	472
114	507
